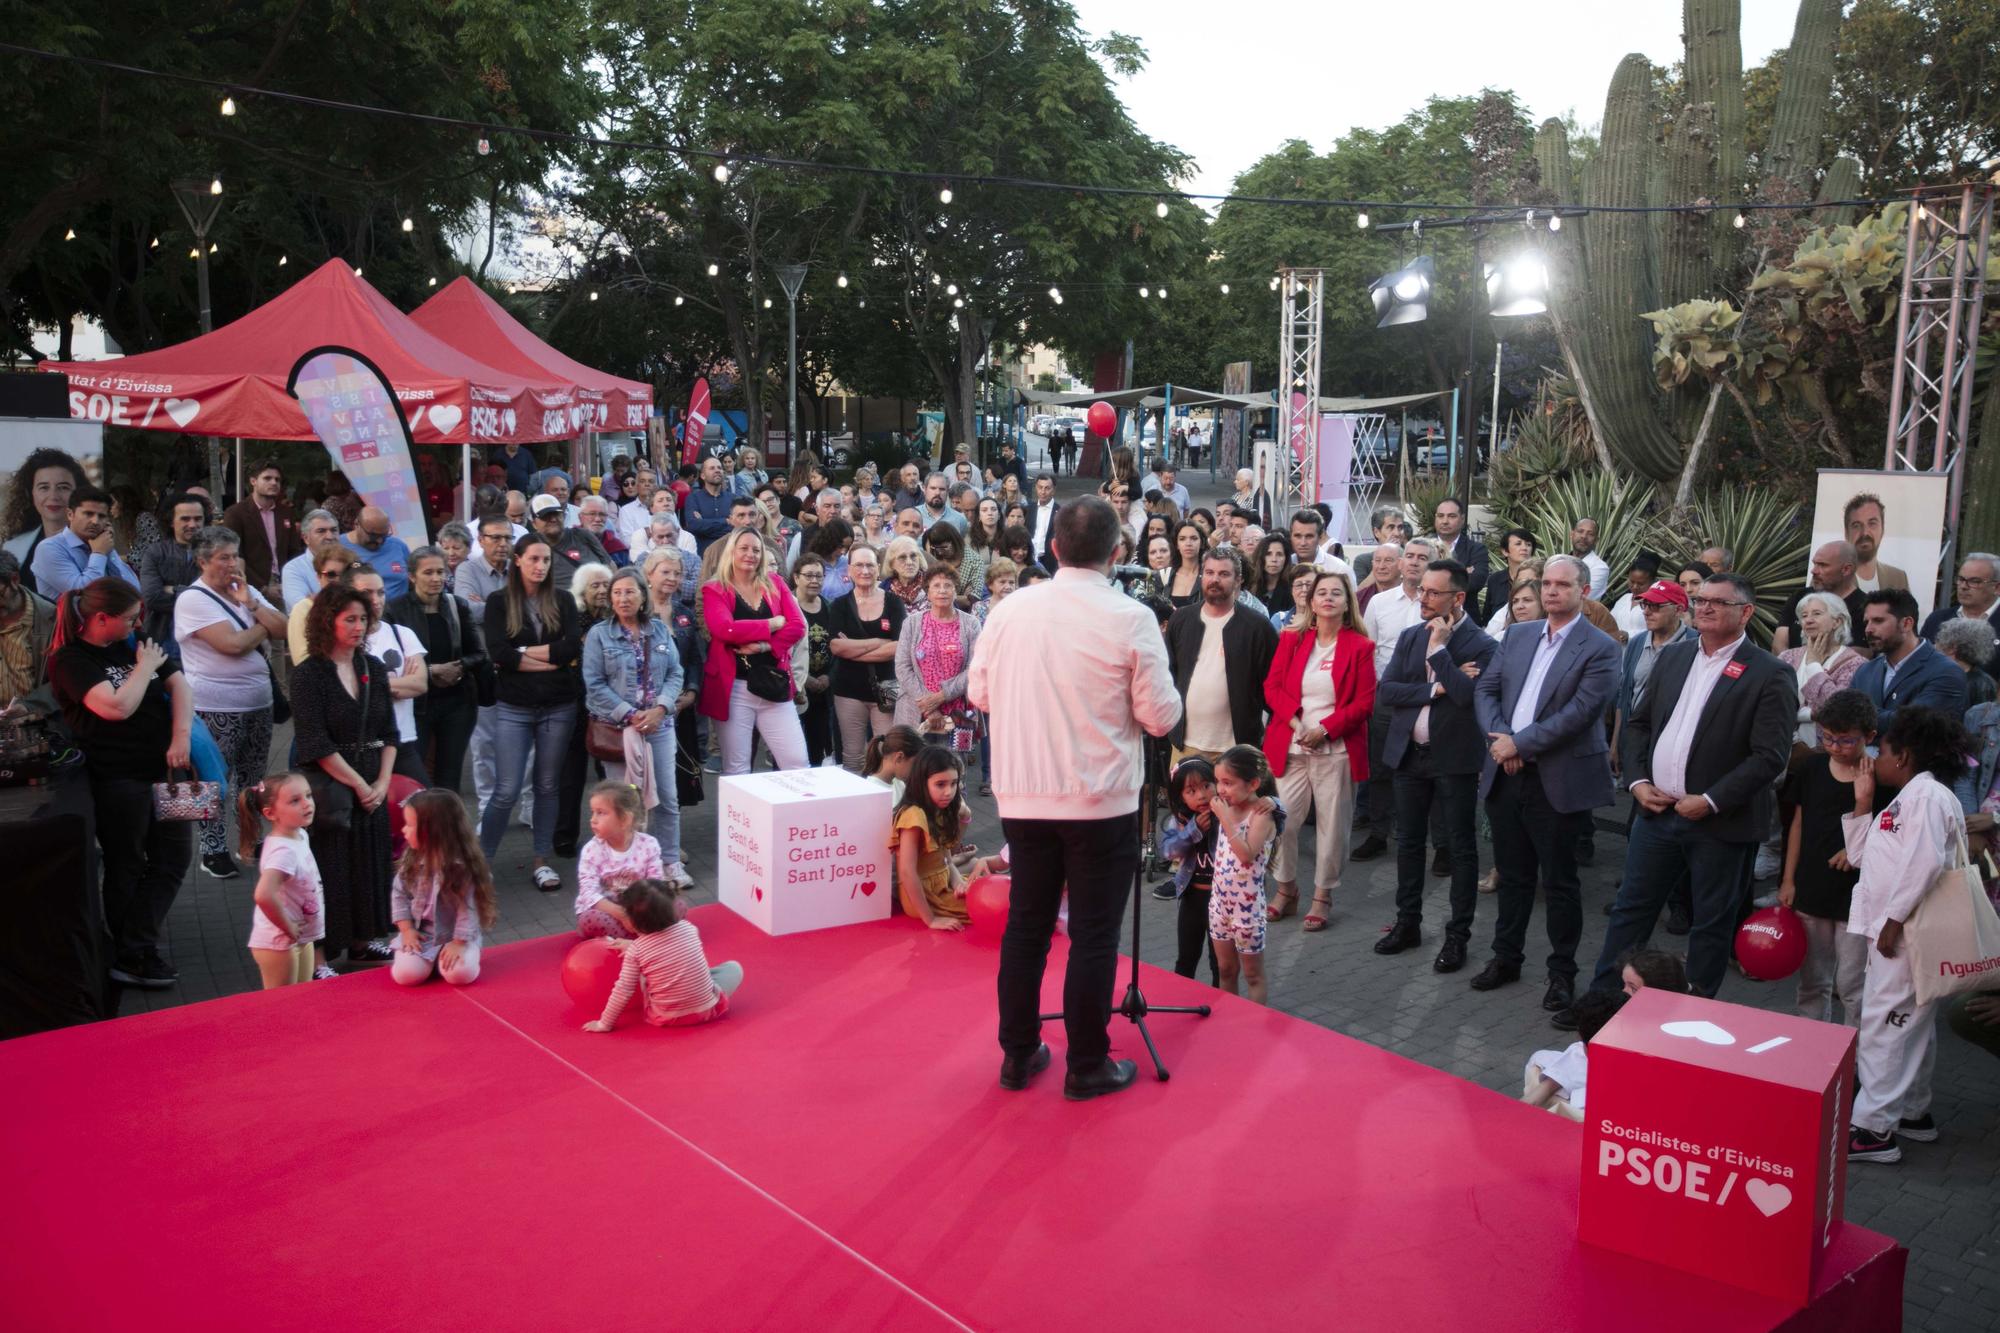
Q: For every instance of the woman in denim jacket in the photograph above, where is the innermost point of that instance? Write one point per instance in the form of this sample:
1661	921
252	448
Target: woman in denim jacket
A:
632	678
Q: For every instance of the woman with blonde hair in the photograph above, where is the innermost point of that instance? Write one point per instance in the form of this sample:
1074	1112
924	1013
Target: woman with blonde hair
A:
1321	690
753	620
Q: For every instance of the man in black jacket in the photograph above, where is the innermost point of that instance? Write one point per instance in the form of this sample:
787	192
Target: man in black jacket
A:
1219	651
1449	520
1702	753
1436	749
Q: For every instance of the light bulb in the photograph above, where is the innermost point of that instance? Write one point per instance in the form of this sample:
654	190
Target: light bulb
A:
958	303
1055	294
714	269
680	300
862	304
215	186
1160	209
1144	293
840	281
1225	289
951	289
1530	219
281	261
228	106
944	195
1555	222
593	296
485	146
722	173
1361	221
434	282
409	224
195	253
767	303
70	235
155	245
1274	284
357	270
1739	222
1163	293
211	247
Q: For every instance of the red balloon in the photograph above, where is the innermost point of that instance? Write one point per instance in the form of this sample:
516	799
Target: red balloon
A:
986	900
1771	944
1102	419
589	971
401	789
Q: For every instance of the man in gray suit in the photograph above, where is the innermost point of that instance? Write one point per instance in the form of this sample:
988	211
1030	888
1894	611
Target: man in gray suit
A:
1541	704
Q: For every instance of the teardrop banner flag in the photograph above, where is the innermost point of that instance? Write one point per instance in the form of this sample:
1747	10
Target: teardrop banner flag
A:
696	424
352	409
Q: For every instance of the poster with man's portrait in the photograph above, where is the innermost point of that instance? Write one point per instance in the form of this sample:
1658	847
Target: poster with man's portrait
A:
1894	520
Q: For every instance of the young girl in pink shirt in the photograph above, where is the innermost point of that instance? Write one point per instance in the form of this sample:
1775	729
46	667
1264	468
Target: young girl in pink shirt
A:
616	855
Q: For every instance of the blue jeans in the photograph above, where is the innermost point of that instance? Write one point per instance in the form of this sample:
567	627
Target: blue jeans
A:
665	822
516	730
1662	851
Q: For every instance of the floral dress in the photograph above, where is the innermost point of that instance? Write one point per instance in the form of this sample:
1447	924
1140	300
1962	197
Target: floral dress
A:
1236	898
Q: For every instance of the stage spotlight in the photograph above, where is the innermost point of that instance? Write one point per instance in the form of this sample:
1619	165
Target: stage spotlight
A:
1518	287
1402	297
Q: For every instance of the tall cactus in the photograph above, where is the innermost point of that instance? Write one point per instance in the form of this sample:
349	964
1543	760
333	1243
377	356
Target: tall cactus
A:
1842	181
1798	122
1711	33
1687	266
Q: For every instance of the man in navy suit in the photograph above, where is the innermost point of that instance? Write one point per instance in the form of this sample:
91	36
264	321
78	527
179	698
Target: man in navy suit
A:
1541	706
1435	748
1905	672
1704	748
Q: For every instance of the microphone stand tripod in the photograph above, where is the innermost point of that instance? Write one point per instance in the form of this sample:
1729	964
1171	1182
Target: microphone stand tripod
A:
1134	1006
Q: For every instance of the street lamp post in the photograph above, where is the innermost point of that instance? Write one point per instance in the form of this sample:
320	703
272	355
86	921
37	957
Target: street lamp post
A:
200	201
792	277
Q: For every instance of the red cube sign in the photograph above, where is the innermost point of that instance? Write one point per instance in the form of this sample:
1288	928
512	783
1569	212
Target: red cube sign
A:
1715	1140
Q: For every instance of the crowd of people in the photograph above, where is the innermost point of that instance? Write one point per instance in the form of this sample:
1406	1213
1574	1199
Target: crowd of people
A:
652	627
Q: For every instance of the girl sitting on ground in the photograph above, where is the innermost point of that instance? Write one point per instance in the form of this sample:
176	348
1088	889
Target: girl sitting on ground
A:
442	897
928	827
1554	1080
290	916
665	963
616	855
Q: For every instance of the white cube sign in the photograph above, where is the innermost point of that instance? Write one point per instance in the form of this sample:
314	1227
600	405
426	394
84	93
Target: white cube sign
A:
804	849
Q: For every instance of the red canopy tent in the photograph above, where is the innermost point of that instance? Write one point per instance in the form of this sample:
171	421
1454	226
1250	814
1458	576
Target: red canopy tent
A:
232	381
479	326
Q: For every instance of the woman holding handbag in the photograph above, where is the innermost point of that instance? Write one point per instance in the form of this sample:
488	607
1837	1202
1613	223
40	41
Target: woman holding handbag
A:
1321	689
456	657
632	681
1900	853
347	734
933	656
865	622
131	712
746	683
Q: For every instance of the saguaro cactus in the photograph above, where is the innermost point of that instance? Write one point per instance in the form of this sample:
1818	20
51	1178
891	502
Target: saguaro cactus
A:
1798	122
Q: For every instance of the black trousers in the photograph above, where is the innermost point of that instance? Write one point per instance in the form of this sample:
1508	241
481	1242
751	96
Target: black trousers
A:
1096	860
1381	778
1420	789
577	769
145	860
1191	932
444	735
817	723
1532	840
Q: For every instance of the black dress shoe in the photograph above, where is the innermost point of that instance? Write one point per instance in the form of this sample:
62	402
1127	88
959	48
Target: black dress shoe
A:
1401	936
1450	958
1109	1077
1440	862
1561	991
1015	1071
1496	974
1564	1018
1677	921
1371	847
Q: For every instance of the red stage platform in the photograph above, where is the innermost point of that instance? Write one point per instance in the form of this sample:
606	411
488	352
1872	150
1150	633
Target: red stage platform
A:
834	1154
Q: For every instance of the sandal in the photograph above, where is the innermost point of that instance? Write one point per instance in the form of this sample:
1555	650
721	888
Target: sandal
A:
546	879
1288	897
1322	905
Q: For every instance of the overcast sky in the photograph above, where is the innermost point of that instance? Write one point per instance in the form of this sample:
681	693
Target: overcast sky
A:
1229	82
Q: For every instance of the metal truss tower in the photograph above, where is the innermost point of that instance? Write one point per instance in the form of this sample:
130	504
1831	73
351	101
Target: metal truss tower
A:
1303	291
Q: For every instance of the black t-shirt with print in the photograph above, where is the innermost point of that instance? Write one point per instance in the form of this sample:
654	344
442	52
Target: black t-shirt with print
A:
135	748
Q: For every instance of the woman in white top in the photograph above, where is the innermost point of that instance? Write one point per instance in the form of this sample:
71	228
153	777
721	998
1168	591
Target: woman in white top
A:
222	624
1899	851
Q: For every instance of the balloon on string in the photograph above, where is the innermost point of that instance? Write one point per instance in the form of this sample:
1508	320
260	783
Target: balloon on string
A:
1771	944
986	900
1102	419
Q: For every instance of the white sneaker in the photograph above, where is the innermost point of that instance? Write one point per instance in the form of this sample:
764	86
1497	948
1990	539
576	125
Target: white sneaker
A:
677	875
324	973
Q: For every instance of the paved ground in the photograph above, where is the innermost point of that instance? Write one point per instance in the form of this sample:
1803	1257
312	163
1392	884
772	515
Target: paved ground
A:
1940	1200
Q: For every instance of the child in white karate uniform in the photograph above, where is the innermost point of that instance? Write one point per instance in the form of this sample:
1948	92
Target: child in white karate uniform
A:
1899	853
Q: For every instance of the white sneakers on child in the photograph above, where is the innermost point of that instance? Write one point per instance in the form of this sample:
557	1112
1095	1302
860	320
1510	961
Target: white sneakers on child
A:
677	875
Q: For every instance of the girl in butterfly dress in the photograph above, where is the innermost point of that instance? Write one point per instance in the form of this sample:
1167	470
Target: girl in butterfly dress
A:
1248	819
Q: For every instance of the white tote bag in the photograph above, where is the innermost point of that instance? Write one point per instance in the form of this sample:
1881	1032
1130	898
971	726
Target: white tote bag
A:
1954	935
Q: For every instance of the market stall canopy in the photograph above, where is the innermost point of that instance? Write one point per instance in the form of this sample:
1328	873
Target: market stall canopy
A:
232	381
1120	398
1380	404
479	326
1249	402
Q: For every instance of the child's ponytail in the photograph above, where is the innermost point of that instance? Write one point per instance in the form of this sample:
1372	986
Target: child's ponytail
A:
1247	762
901	739
251	803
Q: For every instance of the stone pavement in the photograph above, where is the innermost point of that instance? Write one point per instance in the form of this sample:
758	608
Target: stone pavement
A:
1940	1200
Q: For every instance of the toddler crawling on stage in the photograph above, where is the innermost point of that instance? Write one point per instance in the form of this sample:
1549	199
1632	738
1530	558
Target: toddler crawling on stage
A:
666	964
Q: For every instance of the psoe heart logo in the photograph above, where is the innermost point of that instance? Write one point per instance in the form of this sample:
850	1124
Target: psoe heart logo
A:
1701	1030
182	410
1771	1197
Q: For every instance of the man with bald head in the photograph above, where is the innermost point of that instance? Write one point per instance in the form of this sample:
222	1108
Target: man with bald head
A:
910	523
378	546
1833	567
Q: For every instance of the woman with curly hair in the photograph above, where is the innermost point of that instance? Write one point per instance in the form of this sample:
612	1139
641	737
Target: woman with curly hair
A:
38	504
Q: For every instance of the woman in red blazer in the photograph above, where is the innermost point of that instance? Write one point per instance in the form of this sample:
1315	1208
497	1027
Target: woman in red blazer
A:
1320	691
746	680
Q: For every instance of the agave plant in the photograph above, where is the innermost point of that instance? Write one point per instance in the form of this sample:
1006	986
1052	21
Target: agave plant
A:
1768	539
1619	504
1697	339
1550	442
1422	496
